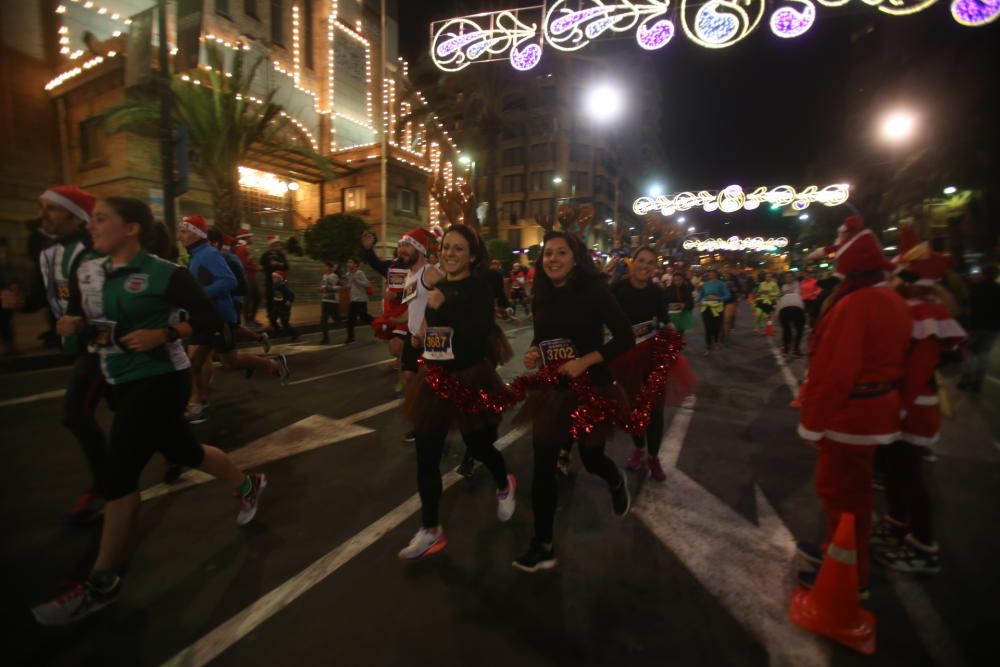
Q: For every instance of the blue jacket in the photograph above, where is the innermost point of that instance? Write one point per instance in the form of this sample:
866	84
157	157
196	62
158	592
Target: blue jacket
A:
213	274
716	288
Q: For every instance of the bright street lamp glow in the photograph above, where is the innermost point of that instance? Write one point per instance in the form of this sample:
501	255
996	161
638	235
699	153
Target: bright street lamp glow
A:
557	179
604	103
690	230
680	219
464	159
804	216
950	190
655	190
608	220
898	126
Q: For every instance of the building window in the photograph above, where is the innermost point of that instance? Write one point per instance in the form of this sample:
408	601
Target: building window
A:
222	7
250	8
579	180
406	200
308	28
513	130
354	198
512	183
513	157
537	207
541	153
277	21
260	208
579	152
540	180
512	211
93	142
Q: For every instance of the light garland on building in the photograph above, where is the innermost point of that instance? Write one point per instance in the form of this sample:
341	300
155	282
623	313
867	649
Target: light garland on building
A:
735	243
265	182
733	198
331	61
296	45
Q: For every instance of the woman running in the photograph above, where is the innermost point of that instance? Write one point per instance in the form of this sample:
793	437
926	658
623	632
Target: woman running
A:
572	307
714	294
792	315
128	303
764	300
462	338
679	296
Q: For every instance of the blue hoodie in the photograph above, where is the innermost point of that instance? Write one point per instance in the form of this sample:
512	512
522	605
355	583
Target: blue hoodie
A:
213	274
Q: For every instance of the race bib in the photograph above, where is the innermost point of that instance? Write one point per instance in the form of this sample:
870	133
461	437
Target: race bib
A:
674	308
103	332
644	330
63	289
557	351
396	280
437	344
409	292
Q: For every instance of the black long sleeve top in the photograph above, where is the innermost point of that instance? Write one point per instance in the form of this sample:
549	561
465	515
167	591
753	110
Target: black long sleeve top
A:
641	305
579	311
468	311
682	293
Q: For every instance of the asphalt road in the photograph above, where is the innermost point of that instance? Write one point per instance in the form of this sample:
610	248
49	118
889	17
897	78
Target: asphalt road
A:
699	574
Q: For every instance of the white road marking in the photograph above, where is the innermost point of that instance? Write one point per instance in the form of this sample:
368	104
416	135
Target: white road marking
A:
790	379
239	626
340	372
58	393
371	412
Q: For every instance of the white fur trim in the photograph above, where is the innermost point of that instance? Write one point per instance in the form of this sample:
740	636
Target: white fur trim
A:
920	440
67	203
942	329
930	399
413	242
806	434
849	438
194	230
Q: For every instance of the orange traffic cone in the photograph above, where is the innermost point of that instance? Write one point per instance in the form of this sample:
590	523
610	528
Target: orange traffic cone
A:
831	608
796	403
769	331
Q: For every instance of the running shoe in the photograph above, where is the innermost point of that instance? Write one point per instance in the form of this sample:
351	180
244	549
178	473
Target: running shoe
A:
536	558
74	605
410	436
86	508
173	473
195	414
250	502
810	552
621	500
807	579
562	464
425	543
634	461
911	557
283	371
265	341
888	533
506	500
397	391
655	469
466	467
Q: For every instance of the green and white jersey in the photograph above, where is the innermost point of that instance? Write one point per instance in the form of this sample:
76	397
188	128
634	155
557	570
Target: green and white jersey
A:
58	264
147	293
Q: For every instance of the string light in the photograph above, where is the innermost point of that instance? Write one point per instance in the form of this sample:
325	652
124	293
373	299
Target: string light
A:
265	182
788	22
975	13
457	43
296	46
568	29
735	243
733	198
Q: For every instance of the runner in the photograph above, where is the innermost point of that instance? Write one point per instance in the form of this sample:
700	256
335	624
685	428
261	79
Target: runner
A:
131	303
243	250
273	259
851	401
792	315
680	302
357	282
461	337
765	297
713	295
224	245
730	305
809	290
572	307
906	531
329	294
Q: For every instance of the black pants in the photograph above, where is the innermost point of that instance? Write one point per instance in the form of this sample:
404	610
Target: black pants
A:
713	327
544	490
328	311
812	311
905	489
793	323
653	436
281	320
83	393
149	417
430	446
358	311
252	302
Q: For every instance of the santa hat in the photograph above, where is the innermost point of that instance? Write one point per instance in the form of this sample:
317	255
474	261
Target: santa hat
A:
77	201
856	249
272	239
917	262
419	238
228	240
244	234
279	275
196	224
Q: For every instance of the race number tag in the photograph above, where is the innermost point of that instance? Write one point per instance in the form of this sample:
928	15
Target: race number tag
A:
644	330
557	351
674	308
103	332
62	288
395	280
437	344
409	292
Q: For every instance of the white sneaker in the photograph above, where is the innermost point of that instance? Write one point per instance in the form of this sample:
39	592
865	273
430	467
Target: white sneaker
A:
249	503
195	414
506	500
427	541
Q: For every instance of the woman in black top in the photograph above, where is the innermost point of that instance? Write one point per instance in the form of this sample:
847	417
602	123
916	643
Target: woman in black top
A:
462	337
572	306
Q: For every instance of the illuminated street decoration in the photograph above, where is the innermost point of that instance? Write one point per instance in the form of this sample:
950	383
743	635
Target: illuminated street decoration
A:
265	182
733	198
572	24
457	43
788	22
975	13
735	243
722	23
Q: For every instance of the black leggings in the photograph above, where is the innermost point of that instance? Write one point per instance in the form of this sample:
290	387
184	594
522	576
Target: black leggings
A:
545	492
654	432
792	318
713	327
430	446
83	393
905	490
358	311
149	417
328	311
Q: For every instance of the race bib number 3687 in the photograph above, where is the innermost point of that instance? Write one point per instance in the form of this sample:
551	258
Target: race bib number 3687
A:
437	344
557	351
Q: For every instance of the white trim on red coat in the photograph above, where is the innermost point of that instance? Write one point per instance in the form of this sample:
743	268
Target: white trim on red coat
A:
850	438
927	399
920	440
943	329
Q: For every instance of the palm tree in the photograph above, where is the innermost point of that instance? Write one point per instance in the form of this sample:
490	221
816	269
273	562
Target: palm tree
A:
225	123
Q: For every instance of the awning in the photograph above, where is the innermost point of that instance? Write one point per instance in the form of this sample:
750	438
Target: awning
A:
292	164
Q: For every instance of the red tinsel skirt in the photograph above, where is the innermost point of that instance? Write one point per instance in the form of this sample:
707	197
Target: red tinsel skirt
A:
430	413
633	367
549	412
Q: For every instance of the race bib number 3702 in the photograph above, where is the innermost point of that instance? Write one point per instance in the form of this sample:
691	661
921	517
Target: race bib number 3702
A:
557	351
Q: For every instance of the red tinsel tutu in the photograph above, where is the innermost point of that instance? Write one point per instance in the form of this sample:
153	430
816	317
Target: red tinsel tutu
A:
593	407
632	368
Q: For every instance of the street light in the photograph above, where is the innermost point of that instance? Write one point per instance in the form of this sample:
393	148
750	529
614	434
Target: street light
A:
604	103
804	216
950	190
681	219
690	230
464	159
898	126
655	190
557	179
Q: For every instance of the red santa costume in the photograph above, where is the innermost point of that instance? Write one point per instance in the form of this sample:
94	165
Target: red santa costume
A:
906	530
851	403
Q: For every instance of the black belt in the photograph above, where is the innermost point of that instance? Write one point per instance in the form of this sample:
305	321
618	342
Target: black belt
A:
872	390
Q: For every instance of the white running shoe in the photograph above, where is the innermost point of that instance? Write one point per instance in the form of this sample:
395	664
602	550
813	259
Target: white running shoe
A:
506	500
195	414
250	502
427	541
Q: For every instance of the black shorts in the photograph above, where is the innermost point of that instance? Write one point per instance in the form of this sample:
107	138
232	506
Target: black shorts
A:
410	355
222	340
149	418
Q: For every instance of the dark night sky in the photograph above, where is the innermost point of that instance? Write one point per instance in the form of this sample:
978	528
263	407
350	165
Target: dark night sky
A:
769	111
